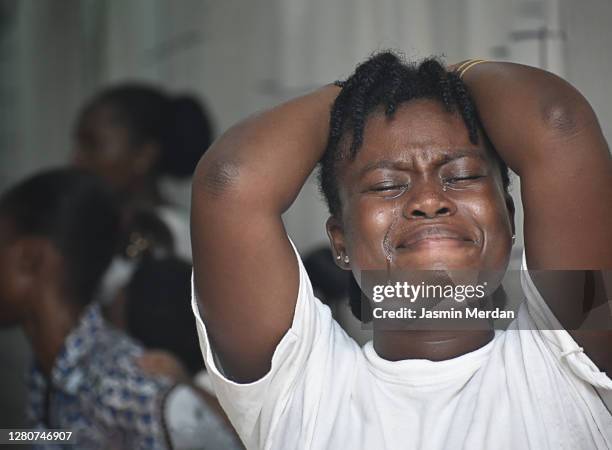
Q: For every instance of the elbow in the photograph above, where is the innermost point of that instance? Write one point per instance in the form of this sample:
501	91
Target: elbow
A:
216	177
566	116
560	118
223	172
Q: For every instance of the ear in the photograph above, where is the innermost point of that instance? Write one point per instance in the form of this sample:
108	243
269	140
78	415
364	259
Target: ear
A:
35	258
335	233
146	157
511	210
28	256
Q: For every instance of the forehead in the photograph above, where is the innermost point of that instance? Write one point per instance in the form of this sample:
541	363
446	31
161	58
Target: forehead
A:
99	115
420	129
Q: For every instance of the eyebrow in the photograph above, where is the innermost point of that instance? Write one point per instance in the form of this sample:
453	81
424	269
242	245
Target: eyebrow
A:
441	160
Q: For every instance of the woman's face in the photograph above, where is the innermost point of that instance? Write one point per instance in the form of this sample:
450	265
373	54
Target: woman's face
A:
105	147
420	195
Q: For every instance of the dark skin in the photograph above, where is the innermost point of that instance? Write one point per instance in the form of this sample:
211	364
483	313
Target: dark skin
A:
564	164
106	147
395	207
252	174
33	294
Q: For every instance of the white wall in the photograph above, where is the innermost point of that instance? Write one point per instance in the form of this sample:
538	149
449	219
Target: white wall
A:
588	51
46	81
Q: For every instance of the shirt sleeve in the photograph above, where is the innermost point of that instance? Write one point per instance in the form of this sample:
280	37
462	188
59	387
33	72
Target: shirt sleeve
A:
312	351
558	340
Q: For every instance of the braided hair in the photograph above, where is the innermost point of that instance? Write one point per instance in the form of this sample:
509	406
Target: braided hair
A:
382	83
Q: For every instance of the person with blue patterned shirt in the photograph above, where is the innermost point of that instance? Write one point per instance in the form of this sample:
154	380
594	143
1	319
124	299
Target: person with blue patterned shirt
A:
58	232
96	390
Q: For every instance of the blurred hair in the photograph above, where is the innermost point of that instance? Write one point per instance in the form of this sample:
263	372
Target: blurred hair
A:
158	311
77	213
179	125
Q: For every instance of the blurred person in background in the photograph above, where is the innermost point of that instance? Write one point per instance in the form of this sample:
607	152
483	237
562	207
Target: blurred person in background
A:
157	314
156	308
148	237
134	135
58	232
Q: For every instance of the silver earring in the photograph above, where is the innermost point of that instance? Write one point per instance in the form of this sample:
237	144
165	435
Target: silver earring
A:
339	257
513	239
346	259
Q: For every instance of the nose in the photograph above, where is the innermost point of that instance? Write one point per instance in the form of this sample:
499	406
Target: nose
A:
428	200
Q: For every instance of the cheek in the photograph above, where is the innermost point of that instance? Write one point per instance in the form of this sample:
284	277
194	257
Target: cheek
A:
109	148
114	168
488	209
96	160
366	227
490	215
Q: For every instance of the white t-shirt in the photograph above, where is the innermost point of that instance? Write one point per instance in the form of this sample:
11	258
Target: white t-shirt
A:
527	389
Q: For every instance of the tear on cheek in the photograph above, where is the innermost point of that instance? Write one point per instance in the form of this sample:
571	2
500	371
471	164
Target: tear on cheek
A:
386	244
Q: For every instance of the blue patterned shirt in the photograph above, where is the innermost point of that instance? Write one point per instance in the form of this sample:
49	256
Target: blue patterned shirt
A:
97	391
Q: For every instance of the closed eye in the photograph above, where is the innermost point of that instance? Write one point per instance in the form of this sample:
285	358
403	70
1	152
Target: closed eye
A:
388	187
388	190
459	179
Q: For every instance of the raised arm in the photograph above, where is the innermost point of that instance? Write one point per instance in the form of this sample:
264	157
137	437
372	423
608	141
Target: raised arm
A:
547	132
246	275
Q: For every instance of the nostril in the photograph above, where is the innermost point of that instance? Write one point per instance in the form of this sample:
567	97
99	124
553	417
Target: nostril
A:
418	213
443	211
